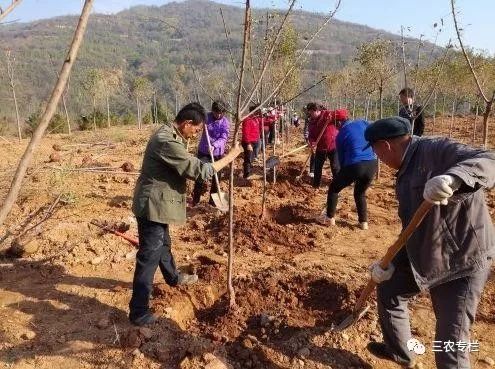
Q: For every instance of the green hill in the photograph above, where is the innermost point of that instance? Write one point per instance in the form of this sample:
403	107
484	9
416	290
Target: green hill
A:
142	41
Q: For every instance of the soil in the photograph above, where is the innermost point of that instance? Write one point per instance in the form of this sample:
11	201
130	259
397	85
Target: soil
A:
65	304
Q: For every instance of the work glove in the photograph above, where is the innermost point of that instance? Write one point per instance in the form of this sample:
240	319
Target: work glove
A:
439	189
379	275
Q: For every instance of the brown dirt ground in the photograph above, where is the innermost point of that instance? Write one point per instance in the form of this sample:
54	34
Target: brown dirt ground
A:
65	305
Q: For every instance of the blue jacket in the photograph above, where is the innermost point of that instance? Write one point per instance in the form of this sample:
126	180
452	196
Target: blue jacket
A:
351	143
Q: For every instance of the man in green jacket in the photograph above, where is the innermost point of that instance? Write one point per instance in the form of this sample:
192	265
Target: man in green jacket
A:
160	200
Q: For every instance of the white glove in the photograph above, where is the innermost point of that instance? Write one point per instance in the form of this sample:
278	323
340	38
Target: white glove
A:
379	275
439	189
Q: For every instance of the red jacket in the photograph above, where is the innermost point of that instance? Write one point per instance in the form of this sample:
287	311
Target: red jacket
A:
251	129
327	141
269	120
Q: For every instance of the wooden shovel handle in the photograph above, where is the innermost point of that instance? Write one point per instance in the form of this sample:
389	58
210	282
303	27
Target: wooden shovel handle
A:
316	143
294	150
416	220
217	182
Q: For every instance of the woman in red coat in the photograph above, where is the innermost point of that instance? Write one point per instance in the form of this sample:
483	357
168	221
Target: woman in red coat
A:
325	147
251	130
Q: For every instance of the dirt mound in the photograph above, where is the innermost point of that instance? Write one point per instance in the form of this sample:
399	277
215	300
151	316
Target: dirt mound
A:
271	304
279	232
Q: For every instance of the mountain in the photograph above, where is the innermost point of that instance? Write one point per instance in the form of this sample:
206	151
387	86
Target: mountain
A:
157	42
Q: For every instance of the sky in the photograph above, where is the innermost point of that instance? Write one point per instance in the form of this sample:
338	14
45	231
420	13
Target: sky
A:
418	16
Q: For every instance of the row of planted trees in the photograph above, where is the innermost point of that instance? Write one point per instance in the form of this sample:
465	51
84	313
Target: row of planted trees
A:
274	76
442	82
98	87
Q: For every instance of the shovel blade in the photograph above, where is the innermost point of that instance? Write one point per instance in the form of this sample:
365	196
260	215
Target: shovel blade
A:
350	319
221	201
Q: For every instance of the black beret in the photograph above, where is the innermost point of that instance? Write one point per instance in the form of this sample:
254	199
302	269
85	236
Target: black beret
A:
387	128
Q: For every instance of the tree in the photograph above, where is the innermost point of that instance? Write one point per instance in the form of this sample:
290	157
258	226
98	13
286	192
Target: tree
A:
112	80
48	114
378	60
483	94
94	87
142	90
11	74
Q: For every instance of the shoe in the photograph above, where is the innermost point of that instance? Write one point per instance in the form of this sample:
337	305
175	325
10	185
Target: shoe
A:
146	319
363	226
380	350
325	220
187	279
311	175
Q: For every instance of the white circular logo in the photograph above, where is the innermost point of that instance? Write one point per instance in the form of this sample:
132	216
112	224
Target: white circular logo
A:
414	345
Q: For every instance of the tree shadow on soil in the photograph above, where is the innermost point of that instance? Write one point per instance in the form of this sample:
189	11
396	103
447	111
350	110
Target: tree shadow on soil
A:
66	321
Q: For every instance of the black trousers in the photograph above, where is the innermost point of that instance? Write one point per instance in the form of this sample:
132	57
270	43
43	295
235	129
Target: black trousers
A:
200	185
154	251
249	157
312	163
361	174
320	157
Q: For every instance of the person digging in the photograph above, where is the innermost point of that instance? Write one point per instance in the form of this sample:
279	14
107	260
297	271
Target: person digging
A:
160	200
449	254
358	166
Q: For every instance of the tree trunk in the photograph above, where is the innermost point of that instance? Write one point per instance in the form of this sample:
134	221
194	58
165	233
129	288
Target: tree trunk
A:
434	113
10	73
230	268
47	115
108	112
19	132
475	121
353	108
367	107
94	113
452	120
381	102
486	115
69	131
275	138
138	113
263	153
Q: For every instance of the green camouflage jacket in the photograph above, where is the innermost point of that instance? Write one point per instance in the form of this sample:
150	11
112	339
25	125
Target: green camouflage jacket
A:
160	193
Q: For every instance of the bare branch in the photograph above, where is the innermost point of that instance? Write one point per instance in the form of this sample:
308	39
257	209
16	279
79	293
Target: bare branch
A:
296	61
304	91
435	84
268	57
4	13
470	64
234	66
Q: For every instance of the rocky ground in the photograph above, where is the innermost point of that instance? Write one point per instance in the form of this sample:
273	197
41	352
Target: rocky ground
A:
63	303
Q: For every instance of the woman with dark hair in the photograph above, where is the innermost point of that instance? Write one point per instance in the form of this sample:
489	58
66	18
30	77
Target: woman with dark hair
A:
218	127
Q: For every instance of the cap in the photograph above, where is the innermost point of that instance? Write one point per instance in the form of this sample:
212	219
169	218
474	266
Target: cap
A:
387	128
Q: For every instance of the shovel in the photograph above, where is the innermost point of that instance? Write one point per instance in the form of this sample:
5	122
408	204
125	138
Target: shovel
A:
359	311
220	199
273	161
309	156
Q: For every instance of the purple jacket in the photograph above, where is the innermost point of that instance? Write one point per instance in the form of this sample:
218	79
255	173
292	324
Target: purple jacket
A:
219	134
